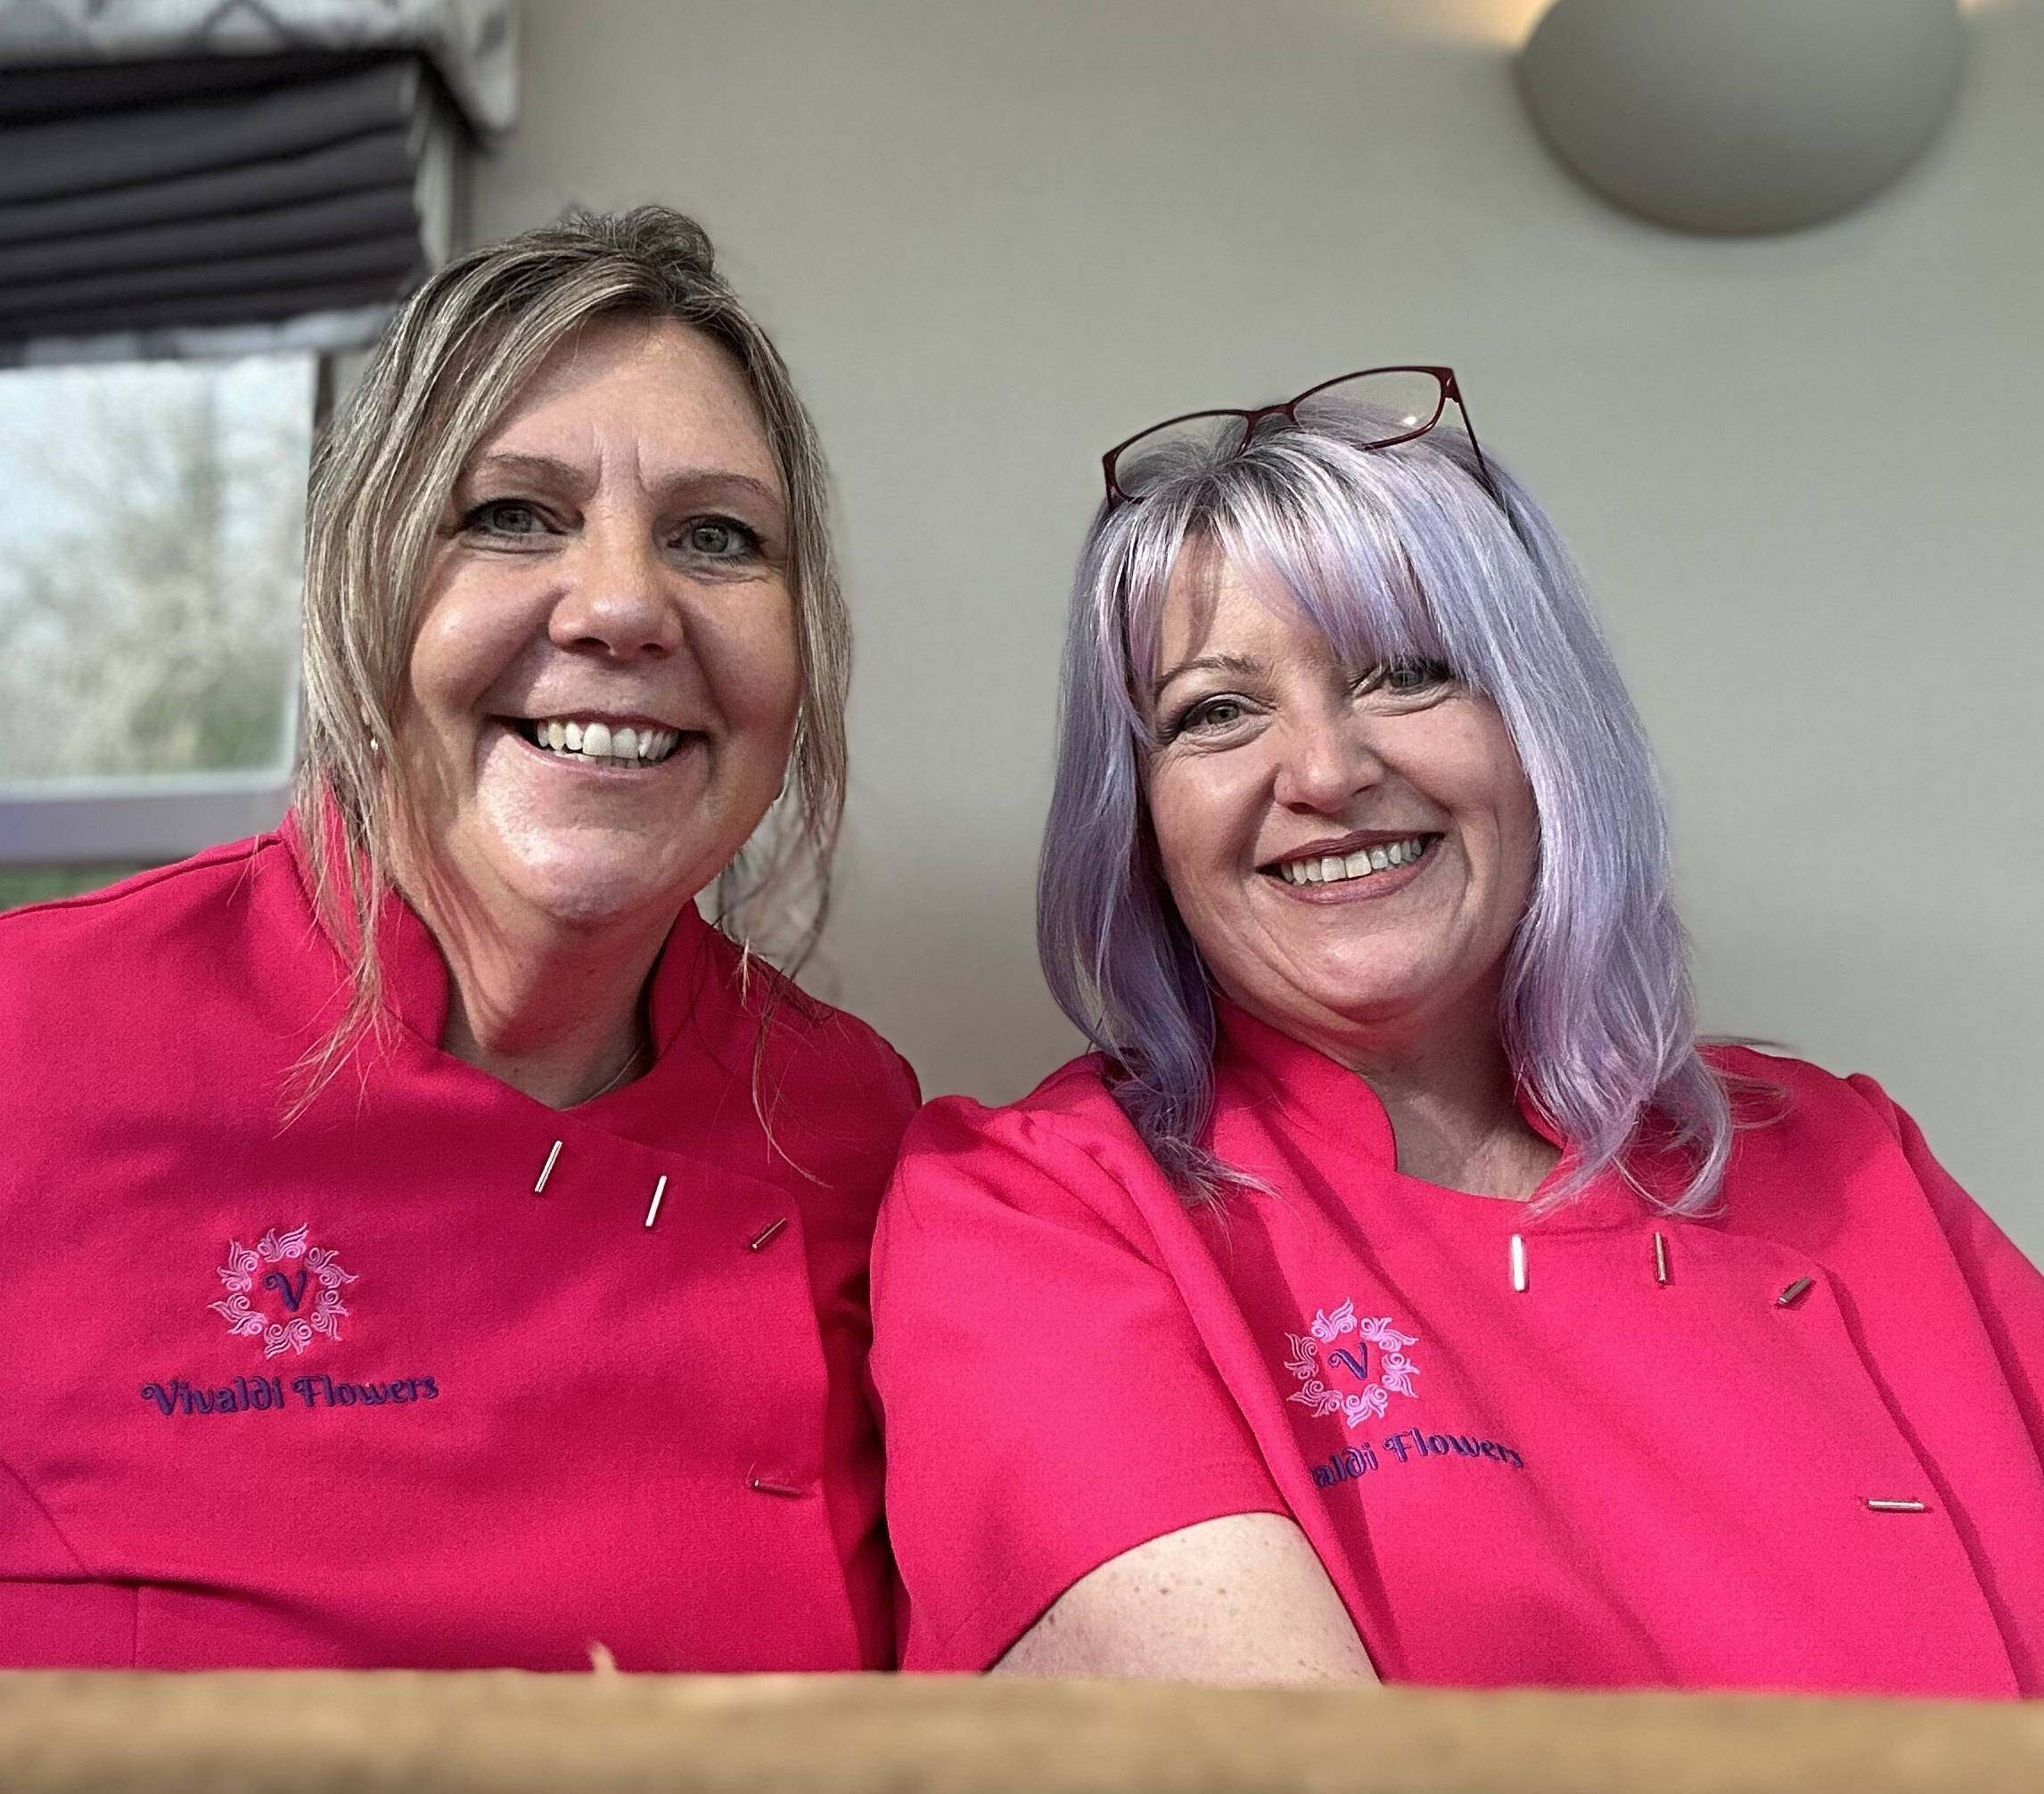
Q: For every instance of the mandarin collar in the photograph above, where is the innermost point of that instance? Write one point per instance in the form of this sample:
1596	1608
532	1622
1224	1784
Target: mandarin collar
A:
417	985
1315	1090
1270	1069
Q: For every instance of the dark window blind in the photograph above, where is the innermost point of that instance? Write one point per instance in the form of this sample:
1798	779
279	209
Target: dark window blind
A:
146	196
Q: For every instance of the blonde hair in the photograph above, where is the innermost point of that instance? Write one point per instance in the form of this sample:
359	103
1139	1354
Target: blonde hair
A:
451	360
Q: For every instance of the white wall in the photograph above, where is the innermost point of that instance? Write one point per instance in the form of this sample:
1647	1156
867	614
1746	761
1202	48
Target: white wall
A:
994	239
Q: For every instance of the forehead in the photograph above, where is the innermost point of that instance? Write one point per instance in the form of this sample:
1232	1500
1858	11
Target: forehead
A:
1212	601
651	388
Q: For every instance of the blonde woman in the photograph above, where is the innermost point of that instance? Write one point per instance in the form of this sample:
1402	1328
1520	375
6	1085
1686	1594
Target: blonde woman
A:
429	1243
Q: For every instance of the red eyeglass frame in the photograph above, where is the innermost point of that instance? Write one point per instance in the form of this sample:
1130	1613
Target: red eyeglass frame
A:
1450	389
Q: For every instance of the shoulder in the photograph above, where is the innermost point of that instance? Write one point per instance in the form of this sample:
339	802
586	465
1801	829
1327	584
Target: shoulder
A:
828	1052
1776	1091
157	929
183	993
774	1082
1066	1153
1814	1149
1071	1113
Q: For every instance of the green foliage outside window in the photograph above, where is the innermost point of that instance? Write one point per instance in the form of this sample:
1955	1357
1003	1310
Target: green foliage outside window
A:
21	885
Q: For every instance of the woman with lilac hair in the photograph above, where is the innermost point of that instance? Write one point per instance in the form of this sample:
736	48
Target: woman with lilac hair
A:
1400	1289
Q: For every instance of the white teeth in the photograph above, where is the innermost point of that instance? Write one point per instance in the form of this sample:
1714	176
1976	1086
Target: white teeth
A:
626	746
1327	869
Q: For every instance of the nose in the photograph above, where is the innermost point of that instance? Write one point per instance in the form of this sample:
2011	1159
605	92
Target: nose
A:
616	600
1324	762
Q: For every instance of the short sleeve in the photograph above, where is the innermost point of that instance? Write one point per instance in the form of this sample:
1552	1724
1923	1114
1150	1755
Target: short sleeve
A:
1048	1402
2006	1287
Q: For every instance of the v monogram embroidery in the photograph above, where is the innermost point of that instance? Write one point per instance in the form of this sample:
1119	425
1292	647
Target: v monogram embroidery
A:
292	1293
289	1331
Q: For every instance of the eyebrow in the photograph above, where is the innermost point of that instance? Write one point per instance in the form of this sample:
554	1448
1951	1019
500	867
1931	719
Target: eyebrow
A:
551	469
1239	665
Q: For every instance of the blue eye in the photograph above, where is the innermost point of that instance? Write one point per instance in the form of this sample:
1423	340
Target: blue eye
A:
719	539
506	517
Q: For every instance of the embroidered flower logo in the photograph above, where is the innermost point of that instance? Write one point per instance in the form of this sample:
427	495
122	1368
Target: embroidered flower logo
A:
1392	1373
318	1275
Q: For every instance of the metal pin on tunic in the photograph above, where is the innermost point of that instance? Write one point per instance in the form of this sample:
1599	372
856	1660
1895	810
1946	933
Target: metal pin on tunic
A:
766	1235
1795	1292
1896	1506
1518	1264
1660	1259
546	1171
653	1210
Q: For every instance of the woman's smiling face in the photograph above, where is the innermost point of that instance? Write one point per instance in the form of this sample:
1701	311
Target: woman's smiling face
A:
1351	849
603	687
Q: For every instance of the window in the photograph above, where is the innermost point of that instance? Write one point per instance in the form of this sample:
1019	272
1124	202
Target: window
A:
154	516
197	205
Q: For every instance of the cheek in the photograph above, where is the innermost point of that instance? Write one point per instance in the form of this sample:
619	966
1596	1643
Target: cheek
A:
1204	815
1496	795
465	641
1522	844
752	663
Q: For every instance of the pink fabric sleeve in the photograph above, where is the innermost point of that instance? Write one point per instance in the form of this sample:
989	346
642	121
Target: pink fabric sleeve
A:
1048	1402
2006	1287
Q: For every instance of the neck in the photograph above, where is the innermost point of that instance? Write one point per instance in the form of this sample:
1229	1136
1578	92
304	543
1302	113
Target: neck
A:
1456	1118
556	1013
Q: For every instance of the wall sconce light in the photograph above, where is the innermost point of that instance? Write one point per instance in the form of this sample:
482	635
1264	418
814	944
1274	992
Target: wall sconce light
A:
1741	116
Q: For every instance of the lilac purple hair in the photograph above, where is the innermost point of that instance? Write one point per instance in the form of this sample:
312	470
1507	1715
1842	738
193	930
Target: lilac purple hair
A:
1387	552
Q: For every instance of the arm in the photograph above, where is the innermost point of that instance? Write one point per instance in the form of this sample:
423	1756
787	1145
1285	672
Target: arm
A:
2006	1287
1241	1601
1049	1406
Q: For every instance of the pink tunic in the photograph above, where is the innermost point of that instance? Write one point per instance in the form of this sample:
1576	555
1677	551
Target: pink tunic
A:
1809	1459
349	1392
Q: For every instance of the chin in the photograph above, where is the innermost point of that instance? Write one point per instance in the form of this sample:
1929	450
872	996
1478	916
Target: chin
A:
584	886
595	865
1360	993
